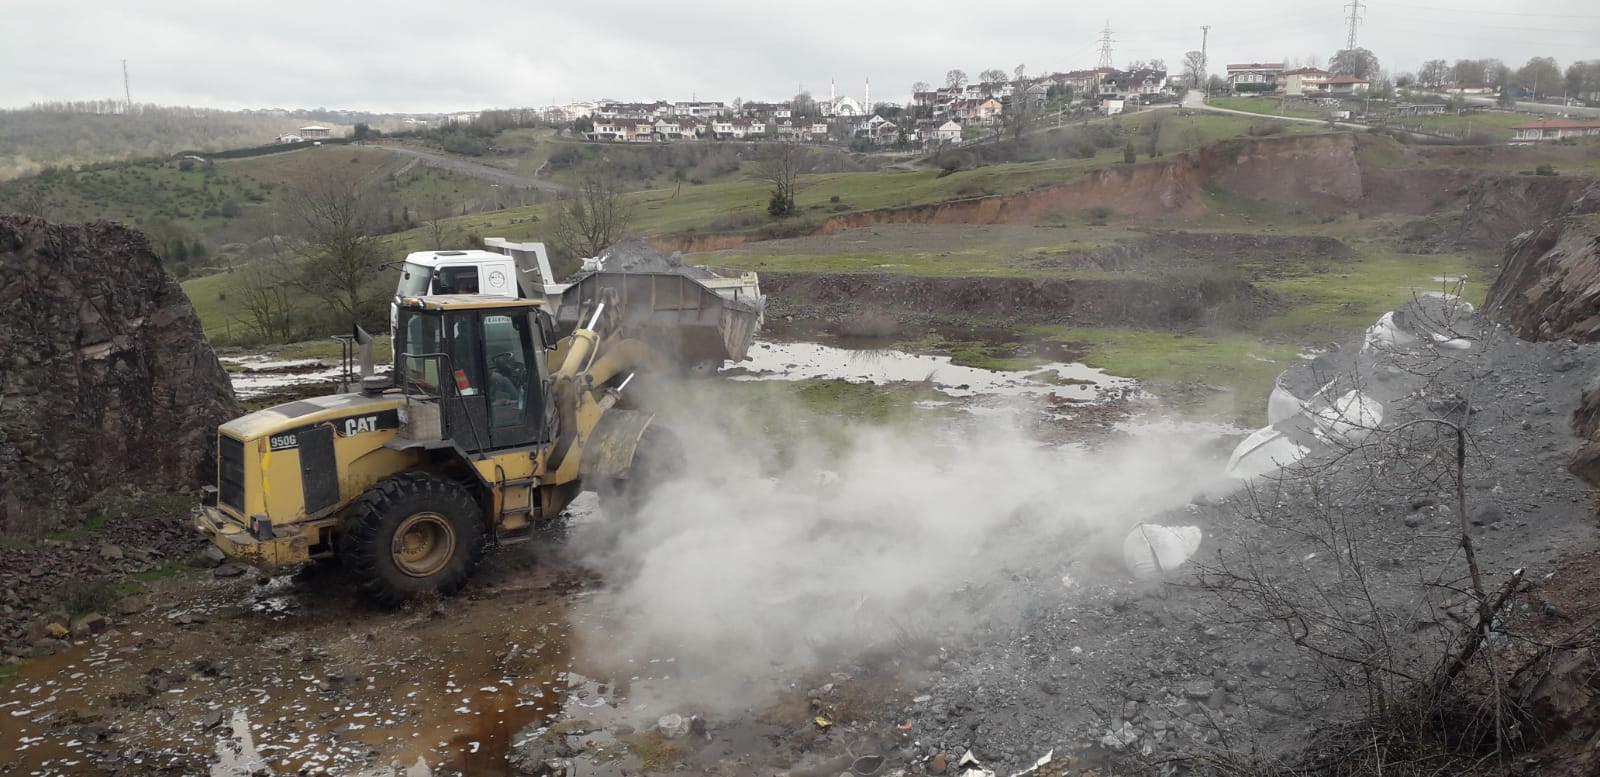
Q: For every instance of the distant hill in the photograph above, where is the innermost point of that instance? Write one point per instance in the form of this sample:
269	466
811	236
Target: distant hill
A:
79	133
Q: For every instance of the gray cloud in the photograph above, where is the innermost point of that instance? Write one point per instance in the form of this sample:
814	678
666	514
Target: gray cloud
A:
406	55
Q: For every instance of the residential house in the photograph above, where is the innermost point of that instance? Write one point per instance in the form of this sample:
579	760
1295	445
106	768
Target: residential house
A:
1111	106
925	99
314	131
986	111
948	132
699	110
1135	83
1346	86
1254	76
1555	129
641	130
1302	81
667	129
818	130
607	129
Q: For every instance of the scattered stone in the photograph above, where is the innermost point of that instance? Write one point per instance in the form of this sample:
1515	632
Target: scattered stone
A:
132	605
89	625
211	720
210	557
1199	689
229	570
111	552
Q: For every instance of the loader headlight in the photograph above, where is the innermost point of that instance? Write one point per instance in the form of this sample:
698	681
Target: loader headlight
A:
261	527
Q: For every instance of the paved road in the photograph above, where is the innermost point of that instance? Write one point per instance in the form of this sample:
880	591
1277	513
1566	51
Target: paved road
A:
475	170
1197	101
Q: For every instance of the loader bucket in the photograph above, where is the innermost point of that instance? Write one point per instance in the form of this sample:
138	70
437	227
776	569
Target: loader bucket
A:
679	315
608	451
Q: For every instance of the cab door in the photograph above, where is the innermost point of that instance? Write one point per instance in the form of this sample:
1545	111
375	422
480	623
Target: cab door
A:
516	386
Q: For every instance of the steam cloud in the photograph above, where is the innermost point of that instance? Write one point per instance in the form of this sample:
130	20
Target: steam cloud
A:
765	559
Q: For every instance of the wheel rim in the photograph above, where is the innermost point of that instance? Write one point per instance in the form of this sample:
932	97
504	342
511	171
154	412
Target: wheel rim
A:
423	544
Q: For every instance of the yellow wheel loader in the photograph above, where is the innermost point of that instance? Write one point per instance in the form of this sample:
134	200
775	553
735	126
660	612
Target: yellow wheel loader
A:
487	428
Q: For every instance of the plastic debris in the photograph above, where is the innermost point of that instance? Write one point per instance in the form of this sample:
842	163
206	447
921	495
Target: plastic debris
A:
672	726
1349	419
1265	451
968	766
1150	550
1282	405
1388	332
821	722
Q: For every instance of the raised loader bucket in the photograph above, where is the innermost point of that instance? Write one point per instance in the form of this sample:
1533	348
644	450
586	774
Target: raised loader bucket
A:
678	315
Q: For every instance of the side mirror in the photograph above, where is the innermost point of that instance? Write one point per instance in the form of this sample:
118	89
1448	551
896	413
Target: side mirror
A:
547	329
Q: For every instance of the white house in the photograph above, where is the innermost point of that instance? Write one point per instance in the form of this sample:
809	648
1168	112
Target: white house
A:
1111	107
948	132
314	131
1555	129
1255	76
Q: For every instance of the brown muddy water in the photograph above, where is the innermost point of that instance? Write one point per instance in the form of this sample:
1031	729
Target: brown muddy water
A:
315	681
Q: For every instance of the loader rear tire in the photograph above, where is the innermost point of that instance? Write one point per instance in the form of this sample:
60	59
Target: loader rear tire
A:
412	533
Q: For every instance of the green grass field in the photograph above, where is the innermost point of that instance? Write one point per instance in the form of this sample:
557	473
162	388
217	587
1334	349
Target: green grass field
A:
1269	106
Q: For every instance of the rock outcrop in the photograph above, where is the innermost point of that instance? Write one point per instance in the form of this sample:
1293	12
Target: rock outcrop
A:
1549	287
106	378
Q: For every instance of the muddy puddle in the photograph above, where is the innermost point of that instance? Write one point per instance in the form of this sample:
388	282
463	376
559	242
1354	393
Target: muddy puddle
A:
294	676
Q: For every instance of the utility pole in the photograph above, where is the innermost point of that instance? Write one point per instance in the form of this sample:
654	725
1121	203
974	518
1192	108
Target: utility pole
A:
1354	20
1205	38
127	90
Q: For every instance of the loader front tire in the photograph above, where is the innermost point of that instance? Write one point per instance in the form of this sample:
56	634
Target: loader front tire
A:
412	533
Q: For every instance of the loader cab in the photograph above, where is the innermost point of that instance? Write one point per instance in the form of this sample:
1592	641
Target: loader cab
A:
481	362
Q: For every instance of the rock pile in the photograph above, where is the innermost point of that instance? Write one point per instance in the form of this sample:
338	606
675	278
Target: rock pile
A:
106	378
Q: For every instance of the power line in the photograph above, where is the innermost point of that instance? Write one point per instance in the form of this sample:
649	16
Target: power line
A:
1492	13
1487	25
1354	21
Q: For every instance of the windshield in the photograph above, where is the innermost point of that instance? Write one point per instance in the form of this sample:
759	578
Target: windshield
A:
413	280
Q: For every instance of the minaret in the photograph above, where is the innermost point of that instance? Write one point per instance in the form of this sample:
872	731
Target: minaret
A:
831	96
867	109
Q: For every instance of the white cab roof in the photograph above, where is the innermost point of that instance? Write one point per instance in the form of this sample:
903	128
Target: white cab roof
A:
434	258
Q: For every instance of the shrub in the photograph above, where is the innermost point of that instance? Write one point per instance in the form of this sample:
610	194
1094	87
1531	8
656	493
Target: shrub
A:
1099	214
1129	155
1544	169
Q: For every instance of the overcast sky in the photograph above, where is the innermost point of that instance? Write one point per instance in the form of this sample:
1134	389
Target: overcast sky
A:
406	55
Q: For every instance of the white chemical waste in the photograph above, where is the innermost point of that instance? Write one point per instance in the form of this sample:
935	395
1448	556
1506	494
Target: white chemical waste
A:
1387	334
1264	452
1150	550
1348	420
1282	405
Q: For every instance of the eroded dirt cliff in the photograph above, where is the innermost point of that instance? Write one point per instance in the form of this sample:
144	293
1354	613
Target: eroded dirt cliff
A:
106	378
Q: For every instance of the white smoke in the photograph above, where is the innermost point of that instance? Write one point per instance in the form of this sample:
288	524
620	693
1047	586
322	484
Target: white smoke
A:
832	536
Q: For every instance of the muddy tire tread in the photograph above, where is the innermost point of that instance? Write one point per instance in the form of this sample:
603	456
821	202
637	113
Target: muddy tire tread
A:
368	533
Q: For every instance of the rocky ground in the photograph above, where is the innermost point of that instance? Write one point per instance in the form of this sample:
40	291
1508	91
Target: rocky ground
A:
1063	653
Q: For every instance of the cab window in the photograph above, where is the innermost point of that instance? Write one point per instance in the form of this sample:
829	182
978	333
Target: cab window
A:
456	280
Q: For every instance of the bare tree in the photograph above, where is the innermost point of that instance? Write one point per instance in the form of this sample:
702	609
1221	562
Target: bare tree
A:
433	221
268	300
1020	72
920	87
339	254
955	79
780	166
992	75
1194	68
593	214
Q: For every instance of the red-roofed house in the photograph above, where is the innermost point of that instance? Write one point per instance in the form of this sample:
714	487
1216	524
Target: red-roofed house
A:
1556	129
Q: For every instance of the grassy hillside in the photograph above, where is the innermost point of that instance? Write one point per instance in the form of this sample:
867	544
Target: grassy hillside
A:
85	133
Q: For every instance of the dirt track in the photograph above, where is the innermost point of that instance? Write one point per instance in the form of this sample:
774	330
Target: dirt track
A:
493	175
